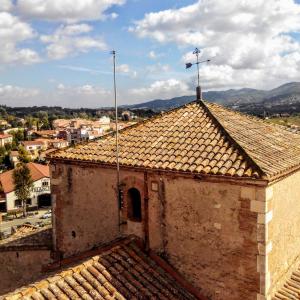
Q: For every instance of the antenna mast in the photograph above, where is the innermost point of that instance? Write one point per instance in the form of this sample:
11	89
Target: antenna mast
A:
117	137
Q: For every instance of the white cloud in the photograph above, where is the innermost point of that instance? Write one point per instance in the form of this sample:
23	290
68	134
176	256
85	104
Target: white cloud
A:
162	89
113	16
86	89
6	5
86	95
152	54
10	93
67	10
71	40
158	68
123	68
243	38
12	32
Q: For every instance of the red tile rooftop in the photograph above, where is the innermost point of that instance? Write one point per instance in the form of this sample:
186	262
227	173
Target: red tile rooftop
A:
198	138
122	271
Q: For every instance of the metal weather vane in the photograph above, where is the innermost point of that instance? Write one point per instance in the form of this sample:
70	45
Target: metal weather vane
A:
188	65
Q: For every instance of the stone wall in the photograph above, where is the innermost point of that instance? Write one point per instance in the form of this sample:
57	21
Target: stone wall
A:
284	229
208	230
18	268
209	234
85	207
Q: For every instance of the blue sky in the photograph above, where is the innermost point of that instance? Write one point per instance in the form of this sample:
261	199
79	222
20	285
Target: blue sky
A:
57	52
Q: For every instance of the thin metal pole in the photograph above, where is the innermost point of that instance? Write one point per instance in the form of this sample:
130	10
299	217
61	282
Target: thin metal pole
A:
117	135
198	68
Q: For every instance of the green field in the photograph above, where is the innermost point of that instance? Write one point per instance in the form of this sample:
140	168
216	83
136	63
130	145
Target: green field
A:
286	121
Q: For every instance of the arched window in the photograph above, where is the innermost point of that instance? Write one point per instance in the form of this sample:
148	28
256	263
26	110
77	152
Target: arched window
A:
134	205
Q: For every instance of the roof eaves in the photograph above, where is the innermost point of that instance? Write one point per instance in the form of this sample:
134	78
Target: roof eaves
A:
255	180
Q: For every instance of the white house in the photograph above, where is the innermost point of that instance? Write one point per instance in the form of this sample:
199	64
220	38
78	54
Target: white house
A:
40	193
33	147
5	139
14	158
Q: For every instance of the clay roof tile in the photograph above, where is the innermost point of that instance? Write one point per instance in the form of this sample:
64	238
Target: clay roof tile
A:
210	131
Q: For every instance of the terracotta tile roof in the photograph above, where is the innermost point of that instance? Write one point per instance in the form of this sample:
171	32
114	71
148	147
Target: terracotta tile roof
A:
122	272
291	288
45	132
28	236
5	136
32	143
37	172
201	138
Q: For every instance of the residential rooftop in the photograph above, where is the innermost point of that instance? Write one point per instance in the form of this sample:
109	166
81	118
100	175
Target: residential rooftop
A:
28	236
37	172
198	138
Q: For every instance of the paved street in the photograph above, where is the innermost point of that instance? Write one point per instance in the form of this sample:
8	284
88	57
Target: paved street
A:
6	225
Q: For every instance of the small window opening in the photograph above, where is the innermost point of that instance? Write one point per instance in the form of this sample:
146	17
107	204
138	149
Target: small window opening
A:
134	205
73	234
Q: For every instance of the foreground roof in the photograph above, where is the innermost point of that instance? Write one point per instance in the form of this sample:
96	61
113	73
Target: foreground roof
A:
201	138
28	237
290	289
37	172
121	272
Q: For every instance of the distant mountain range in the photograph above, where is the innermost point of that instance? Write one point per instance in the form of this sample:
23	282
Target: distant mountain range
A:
244	99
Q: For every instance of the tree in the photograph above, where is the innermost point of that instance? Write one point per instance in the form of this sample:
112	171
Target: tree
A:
18	136
23	155
23	184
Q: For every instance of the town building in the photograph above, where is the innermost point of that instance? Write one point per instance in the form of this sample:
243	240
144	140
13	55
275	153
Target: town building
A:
79	130
3	123
14	158
40	194
204	186
53	143
48	134
34	147
58	143
5	139
209	193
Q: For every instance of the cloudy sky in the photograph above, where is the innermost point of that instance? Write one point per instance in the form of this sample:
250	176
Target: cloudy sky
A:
57	52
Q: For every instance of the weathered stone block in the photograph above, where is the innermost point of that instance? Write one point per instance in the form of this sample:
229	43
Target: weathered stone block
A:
248	193
269	193
258	206
264	249
262	233
217	226
265	218
260	194
56	181
265	283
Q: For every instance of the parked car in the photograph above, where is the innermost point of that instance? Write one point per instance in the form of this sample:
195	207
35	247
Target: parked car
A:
47	215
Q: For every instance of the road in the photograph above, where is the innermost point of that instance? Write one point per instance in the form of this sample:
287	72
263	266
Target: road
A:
6	225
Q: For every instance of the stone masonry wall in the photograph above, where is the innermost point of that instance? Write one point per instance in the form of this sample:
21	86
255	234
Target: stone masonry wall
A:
207	230
210	236
85	207
18	268
284	229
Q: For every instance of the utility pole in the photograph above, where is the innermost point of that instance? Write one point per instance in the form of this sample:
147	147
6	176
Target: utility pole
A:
117	136
188	65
